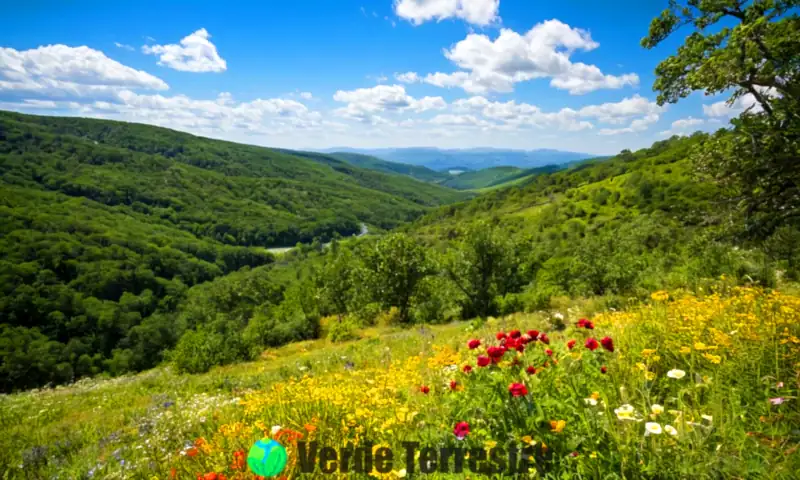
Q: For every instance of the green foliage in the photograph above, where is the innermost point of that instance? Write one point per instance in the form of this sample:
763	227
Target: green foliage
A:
343	329
216	343
747	49
117	238
482	266
486	177
395	265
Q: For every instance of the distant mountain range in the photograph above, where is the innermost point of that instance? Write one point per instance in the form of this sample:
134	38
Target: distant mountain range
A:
472	159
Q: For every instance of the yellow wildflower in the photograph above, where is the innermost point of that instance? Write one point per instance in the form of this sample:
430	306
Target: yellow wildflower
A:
557	426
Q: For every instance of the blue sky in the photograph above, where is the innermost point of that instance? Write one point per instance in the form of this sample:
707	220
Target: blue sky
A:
313	74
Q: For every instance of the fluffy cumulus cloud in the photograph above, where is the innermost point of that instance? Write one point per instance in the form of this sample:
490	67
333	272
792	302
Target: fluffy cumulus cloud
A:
195	53
62	72
488	65
683	126
744	103
618	112
408	77
476	12
725	109
84	81
366	104
637	111
637	125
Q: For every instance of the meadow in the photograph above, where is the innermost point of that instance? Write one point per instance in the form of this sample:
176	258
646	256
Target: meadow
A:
700	385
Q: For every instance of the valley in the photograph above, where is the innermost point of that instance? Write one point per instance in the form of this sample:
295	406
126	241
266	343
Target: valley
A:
197	283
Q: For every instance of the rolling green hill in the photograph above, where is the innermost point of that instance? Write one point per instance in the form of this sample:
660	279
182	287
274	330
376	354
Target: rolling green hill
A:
106	227
482	178
590	194
374	163
238	194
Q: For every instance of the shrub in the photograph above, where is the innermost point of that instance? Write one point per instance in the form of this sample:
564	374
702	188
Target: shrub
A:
217	343
343	329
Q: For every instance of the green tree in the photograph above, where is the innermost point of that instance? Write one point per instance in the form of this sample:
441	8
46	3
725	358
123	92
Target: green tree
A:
396	264
480	265
749	49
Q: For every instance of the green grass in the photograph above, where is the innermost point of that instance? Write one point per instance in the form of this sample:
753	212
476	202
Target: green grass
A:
726	426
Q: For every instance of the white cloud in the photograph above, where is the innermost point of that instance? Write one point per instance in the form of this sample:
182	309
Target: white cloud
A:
739	106
477	12
306	95
637	125
458	120
408	77
746	102
567	119
59	71
681	126
124	46
543	52
617	112
365	103
195	54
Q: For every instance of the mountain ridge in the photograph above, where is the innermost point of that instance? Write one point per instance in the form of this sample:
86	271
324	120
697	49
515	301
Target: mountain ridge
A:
477	158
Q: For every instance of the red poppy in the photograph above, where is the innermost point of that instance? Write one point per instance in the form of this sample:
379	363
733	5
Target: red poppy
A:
517	390
571	344
574	454
467	368
474	343
515	343
515	361
461	430
591	344
501	335
544	338
607	343
603	369
515	334
548	352
483	360
534	334
211	476
424	389
583	323
496	353
239	460
453	384
191	452
531	370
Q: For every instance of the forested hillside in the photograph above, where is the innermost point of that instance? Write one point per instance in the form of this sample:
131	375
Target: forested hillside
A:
106	226
375	163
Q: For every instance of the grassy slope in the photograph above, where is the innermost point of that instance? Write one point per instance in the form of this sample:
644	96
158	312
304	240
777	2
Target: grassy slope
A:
592	194
147	419
482	178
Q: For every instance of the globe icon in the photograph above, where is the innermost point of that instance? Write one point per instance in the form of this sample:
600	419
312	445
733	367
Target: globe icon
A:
267	458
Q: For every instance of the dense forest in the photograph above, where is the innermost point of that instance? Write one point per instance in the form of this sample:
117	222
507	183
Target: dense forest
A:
106	226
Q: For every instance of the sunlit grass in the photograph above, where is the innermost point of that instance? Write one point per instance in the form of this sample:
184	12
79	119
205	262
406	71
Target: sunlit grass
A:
733	412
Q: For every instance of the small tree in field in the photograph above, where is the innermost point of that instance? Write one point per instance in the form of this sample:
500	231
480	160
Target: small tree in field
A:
479	267
396	264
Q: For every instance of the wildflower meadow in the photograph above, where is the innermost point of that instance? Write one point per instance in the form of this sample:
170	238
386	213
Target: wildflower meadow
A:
681	386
